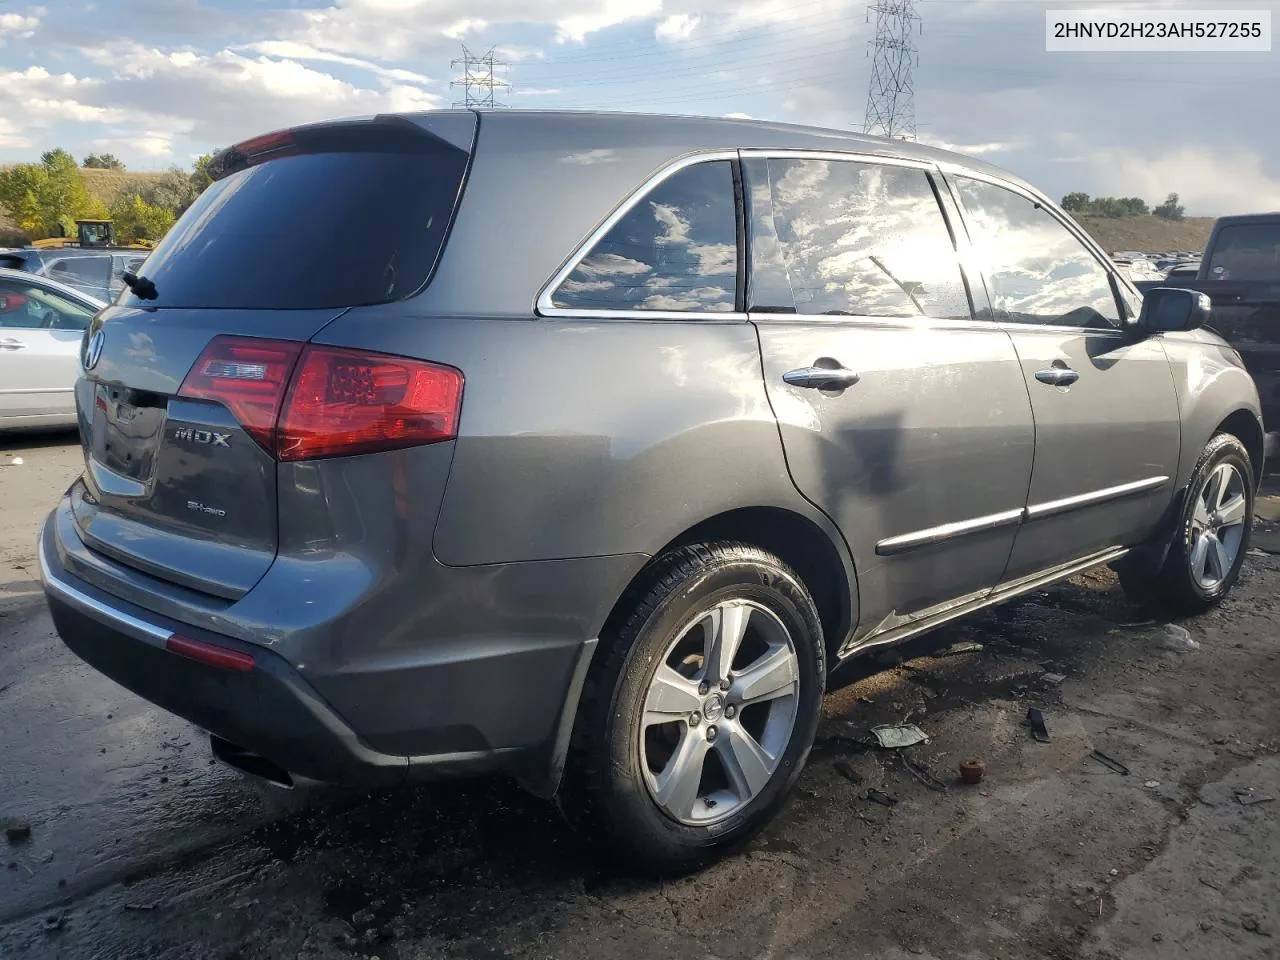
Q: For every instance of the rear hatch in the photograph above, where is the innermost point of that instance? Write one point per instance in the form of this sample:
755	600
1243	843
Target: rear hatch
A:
199	380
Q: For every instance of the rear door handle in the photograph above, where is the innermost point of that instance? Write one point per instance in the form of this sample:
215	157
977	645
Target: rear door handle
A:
1057	376
821	378
10	344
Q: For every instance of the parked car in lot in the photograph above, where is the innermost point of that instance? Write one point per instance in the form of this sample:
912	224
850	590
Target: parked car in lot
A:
42	324
600	503
97	273
1240	272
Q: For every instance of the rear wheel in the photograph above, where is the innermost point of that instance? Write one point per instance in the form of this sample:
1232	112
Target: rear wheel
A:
1210	539
697	722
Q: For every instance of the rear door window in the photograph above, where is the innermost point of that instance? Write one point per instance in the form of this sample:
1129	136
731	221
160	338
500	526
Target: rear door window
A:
1247	251
336	228
29	307
850	238
676	250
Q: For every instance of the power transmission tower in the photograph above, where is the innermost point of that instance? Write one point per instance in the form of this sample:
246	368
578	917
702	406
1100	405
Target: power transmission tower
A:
891	109
479	79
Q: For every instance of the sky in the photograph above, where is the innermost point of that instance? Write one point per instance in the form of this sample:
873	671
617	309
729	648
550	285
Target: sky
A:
158	82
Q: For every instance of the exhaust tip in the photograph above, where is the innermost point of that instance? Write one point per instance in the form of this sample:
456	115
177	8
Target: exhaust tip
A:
250	763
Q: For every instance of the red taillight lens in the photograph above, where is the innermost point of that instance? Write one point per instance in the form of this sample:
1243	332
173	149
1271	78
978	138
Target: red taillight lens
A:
344	402
212	654
303	402
249	377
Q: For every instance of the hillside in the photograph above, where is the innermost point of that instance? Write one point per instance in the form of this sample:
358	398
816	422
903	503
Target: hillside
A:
1148	234
106	185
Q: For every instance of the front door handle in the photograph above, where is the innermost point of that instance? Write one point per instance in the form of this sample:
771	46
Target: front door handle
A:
1057	376
821	378
10	344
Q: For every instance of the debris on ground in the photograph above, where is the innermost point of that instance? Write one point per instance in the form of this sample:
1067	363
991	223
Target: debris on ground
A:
1246	798
1253	925
17	831
1054	677
972	771
15	462
924	775
877	796
1178	639
1113	764
956	649
895	736
1151	784
54	922
1035	719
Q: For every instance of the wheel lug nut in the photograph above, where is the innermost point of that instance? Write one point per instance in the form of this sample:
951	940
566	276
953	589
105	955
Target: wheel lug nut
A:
703	687
712	733
730	711
695	718
725	683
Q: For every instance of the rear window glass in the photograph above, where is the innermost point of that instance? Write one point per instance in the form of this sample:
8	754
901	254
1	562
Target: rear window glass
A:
315	231
1250	251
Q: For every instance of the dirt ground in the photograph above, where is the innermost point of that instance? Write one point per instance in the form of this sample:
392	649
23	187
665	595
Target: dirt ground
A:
141	848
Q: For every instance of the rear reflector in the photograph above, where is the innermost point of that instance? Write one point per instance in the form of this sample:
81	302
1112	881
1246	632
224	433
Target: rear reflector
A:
209	653
303	402
248	376
345	402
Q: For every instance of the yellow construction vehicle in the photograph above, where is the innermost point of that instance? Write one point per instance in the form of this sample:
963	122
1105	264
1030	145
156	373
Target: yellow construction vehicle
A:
91	233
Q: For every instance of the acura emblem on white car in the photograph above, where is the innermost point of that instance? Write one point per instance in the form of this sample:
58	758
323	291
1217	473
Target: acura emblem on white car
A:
94	350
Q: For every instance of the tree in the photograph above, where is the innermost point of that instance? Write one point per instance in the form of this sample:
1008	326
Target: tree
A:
1076	203
200	173
1171	209
173	190
103	161
49	196
135	220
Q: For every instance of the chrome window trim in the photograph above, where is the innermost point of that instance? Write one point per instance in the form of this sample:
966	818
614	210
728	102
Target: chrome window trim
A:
544	307
950	170
847	156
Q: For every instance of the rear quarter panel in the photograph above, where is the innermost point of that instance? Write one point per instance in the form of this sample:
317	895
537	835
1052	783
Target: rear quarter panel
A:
583	438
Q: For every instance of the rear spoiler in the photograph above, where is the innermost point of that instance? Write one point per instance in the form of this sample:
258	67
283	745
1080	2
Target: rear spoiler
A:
384	133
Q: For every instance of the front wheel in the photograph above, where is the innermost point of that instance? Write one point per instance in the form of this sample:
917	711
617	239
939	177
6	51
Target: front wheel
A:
696	724
1211	538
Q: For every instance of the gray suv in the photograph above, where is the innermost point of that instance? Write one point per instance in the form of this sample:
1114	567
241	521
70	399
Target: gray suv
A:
609	438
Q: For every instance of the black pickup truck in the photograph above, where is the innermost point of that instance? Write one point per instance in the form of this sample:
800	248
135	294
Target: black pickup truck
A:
1240	271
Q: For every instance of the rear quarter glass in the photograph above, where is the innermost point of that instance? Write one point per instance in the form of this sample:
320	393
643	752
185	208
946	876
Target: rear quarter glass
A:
316	230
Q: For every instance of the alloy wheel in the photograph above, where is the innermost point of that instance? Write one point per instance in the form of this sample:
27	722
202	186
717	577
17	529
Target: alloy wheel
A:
1217	526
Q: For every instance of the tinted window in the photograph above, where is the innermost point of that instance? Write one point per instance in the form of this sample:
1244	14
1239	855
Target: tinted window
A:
675	250
1249	251
850	238
81	271
1037	271
320	230
30	307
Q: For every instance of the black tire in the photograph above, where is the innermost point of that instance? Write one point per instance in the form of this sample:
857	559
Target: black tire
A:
604	792
1174	590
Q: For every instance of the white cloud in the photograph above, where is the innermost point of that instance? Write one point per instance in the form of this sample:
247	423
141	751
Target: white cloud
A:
300	51
1209	181
677	27
536	91
19	25
149	144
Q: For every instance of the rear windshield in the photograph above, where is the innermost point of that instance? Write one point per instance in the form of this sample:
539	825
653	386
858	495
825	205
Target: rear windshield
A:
1249	251
315	231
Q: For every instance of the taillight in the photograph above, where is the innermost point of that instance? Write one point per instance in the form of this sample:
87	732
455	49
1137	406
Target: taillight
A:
344	402
249	377
302	402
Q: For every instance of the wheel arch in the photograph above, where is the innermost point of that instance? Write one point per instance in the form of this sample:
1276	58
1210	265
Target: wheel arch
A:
1244	425
816	552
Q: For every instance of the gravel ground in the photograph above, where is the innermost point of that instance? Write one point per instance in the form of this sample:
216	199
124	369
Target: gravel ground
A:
140	847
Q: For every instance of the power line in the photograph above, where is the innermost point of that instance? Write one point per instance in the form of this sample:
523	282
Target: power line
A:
479	79
891	108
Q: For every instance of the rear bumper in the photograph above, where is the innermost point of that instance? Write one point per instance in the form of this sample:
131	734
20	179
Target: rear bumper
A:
273	711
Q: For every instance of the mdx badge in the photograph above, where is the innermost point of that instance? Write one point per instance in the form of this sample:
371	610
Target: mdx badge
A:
209	437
